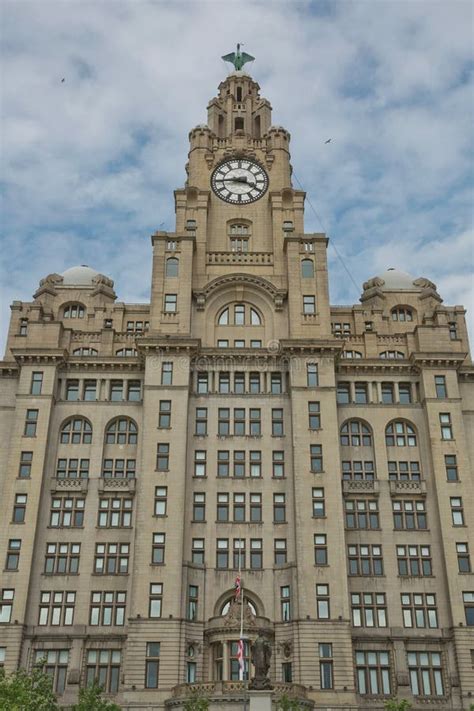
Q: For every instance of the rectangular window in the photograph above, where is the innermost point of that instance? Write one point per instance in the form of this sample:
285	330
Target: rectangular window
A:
326	666
277	422
280	551
360	391
164	415
451	465
409	515
199	507
222	553
36	383
13	554
453	330
201	421
90	390
255	464
446	426
224	383
111	558
133	390
255	422
387	393
158	549
457	511
239	463
222	507
316	457
19	508
287	672
464	561
440	386
118	468
426	673
72	469
162	457
152	665
319	507
362	513
191	672
115	512
238	554
72	390
343	393
373	673
7	596
223	463
193	599
404	471
239	383
239	421
279	508
67	512
222	343
116	390
239	508
223	423
107	608
404	393
309	304
23	327
161	498
322	602
312	379
276	383
239	343
202	383
285	603
62	558
171	302
255	508
30	423
365	560
26	459
155	600
55	666
197	551
200	462
369	610
256	553
419	610
358	470
468	599
320	549
255	343
103	667
254	383
278	464
414	560
314	415
167	373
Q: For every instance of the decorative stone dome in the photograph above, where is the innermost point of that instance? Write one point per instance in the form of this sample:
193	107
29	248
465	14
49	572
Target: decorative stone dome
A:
396	280
79	276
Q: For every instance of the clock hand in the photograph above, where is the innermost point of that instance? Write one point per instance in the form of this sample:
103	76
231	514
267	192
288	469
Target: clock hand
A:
238	179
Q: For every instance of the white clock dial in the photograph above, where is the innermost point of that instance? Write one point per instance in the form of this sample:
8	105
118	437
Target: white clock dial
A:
239	181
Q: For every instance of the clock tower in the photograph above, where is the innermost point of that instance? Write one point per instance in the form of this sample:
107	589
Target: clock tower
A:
239	213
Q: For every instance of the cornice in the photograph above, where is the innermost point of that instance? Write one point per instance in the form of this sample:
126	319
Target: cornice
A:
39	355
311	345
441	359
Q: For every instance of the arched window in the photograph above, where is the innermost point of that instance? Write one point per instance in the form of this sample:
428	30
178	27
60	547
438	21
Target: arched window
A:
126	352
355	433
351	354
226	606
400	434
172	267
307	269
121	431
402	313
85	352
239	315
74	311
392	355
76	430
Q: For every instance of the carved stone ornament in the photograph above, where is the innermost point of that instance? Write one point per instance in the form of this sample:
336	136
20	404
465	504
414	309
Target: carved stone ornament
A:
260	655
424	283
286	648
232	618
372	283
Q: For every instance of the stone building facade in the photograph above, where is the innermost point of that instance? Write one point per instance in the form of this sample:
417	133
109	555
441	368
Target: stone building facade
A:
239	419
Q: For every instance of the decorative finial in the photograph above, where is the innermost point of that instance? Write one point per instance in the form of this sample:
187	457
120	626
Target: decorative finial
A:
238	59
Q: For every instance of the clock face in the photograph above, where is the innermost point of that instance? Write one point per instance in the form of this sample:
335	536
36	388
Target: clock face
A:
239	181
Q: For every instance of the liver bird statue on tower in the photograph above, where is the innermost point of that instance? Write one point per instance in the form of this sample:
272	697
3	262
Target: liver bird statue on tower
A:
238	59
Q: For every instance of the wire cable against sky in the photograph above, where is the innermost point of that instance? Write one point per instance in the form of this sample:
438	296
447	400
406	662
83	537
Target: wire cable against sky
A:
331	240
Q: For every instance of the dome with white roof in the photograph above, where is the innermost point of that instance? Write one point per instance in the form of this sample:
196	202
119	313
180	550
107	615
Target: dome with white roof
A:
79	276
396	279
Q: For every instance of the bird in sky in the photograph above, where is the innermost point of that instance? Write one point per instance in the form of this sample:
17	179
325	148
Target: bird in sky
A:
63	80
328	141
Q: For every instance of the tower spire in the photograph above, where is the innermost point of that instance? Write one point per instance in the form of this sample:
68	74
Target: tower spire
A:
238	58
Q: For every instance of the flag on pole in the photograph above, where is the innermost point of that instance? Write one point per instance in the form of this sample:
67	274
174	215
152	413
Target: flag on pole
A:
238	587
240	658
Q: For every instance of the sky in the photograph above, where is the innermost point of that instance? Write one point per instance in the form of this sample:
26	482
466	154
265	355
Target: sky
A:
89	164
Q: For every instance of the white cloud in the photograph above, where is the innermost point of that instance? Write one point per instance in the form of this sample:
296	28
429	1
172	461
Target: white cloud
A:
91	163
